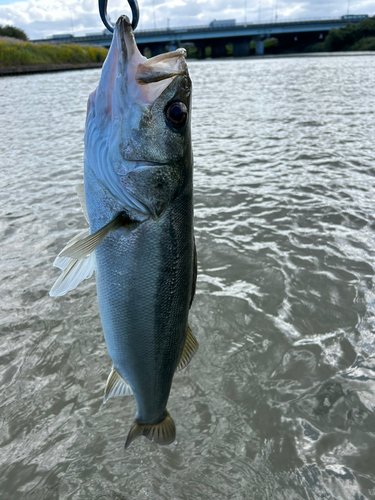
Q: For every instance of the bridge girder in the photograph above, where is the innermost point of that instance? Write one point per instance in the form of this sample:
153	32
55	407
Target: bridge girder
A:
238	35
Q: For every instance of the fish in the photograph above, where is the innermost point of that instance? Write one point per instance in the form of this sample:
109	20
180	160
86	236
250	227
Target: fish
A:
137	196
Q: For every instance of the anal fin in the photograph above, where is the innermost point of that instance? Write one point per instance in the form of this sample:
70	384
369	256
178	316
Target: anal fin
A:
190	348
116	386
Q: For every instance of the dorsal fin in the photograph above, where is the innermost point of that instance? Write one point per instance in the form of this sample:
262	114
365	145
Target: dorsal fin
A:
116	386
190	348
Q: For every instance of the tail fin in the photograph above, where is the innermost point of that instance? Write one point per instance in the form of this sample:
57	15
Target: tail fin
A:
162	433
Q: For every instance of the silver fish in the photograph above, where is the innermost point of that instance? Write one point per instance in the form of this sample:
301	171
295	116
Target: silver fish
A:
138	192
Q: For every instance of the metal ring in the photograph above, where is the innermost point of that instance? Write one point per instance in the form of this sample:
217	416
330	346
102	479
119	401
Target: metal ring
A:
103	14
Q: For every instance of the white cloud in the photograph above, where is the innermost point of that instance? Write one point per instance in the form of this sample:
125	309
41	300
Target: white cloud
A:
42	18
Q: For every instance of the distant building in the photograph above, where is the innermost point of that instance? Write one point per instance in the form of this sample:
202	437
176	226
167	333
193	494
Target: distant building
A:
222	23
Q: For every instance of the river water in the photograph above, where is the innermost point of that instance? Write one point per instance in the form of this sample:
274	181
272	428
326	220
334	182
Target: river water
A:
279	401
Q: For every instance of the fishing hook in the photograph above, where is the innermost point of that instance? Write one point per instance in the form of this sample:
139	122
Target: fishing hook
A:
103	14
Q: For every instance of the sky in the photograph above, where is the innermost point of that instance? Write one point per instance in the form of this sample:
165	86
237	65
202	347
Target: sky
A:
43	18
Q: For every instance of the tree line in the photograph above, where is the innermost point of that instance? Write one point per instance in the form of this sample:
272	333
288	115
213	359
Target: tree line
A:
13	32
356	37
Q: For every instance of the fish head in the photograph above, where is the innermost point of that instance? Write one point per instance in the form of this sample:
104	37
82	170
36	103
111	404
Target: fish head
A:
139	115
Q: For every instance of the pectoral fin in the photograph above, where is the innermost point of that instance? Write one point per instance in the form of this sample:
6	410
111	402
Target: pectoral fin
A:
190	348
116	386
84	247
74	271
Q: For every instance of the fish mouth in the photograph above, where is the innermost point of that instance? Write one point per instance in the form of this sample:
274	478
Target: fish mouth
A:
162	67
147	77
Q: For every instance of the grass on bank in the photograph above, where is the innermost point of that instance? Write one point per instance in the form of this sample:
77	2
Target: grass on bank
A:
29	54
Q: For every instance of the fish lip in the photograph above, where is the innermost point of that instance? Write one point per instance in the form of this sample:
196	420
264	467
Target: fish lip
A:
123	25
126	43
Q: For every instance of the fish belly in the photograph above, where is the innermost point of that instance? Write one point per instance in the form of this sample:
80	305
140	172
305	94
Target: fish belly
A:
144	283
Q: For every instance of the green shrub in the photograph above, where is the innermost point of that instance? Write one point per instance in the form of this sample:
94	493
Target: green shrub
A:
13	32
270	43
367	43
229	49
22	54
315	47
345	38
192	52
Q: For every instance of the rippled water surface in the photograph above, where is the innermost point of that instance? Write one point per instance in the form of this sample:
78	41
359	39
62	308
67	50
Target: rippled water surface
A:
279	401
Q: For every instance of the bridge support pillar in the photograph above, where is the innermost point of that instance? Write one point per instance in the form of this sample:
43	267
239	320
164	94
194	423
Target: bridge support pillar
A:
218	50
259	47
241	48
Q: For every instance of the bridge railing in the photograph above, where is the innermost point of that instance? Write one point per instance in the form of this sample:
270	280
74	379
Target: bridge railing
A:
240	24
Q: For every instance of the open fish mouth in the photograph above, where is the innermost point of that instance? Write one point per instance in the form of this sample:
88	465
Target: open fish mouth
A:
161	67
147	78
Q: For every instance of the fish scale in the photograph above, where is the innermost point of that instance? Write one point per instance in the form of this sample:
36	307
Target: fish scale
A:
137	294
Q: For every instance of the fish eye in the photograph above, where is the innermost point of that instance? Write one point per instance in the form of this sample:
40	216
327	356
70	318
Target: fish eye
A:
176	114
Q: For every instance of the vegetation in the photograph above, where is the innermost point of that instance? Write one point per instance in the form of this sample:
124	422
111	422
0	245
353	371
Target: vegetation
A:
27	54
366	43
270	45
351	35
13	32
356	37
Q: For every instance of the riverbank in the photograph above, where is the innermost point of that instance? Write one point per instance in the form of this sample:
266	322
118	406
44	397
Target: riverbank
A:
317	54
24	69
47	68
18	57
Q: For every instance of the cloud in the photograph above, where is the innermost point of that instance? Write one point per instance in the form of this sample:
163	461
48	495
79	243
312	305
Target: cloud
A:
43	18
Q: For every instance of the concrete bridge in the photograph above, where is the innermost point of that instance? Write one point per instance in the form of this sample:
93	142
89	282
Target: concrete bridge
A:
291	35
